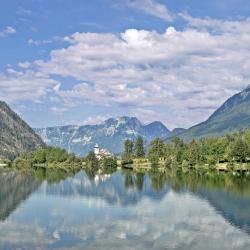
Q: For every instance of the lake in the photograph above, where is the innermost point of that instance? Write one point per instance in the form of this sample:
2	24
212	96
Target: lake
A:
123	210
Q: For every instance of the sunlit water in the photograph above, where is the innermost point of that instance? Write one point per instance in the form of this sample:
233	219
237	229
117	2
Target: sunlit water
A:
120	211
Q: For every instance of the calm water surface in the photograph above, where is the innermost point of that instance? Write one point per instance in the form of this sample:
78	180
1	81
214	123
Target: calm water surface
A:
123	210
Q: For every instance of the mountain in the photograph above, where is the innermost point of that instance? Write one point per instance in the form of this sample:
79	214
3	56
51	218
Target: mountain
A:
110	134
178	131
234	114
15	135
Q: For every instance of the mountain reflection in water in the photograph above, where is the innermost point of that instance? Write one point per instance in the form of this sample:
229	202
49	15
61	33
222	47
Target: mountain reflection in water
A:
125	210
14	188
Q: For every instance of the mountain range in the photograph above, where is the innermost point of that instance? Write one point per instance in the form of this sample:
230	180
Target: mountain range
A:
234	114
15	135
110	134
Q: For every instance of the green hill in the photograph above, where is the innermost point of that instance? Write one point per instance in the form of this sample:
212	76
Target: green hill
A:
15	135
233	115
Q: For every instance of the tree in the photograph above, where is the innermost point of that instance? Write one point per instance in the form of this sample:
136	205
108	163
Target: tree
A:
128	149
238	150
177	149
217	149
109	165
40	156
139	148
91	160
156	150
192	153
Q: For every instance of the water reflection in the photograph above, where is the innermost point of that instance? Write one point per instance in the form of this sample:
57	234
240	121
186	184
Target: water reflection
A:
126	210
15	188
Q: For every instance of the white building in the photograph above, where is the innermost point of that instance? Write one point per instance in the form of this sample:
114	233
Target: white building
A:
100	153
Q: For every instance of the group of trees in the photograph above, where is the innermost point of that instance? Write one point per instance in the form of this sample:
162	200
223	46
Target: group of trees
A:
107	163
233	148
134	149
49	155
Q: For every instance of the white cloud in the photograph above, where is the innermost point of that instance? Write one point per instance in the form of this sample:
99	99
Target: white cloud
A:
93	120
181	76
39	42
151	7
24	85
58	110
24	65
7	31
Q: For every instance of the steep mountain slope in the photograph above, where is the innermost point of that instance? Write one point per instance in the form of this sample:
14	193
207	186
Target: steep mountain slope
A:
15	135
234	114
110	134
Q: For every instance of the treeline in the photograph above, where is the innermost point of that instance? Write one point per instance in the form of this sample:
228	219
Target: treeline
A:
231	149
133	149
50	156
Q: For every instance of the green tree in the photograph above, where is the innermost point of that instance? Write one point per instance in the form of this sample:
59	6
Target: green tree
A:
40	156
238	150
128	149
109	165
178	149
139	147
92	161
156	150
192	153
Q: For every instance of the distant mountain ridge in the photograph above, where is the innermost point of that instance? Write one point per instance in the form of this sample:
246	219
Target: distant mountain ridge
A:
233	115
15	135
110	134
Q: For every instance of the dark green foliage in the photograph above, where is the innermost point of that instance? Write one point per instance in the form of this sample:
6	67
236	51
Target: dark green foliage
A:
109	162
239	150
51	154
139	147
109	165
40	156
92	161
45	156
233	148
128	149
156	150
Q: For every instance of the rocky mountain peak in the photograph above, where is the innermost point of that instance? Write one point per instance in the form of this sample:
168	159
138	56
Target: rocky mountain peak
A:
110	135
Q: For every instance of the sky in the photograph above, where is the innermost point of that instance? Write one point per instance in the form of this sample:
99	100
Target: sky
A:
81	62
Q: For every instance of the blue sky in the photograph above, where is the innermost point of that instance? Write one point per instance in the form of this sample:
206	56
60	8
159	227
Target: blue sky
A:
81	62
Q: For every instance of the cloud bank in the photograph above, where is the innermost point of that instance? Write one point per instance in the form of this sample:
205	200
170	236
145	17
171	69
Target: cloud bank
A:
178	76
